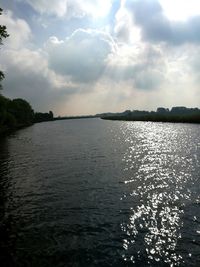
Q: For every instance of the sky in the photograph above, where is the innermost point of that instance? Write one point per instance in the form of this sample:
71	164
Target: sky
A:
91	56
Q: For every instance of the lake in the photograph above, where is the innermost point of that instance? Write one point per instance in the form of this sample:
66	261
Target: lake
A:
100	193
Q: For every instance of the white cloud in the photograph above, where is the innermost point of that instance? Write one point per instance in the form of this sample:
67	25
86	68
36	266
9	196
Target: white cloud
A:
90	71
88	55
57	7
28	76
27	72
142	65
18	30
82	56
156	27
95	8
123	24
179	9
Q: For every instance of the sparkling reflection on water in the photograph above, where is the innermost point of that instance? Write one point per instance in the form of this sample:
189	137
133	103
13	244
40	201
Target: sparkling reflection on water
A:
100	193
162	167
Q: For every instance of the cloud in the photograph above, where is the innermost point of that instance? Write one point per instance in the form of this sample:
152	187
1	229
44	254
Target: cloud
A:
27	72
143	66
28	77
57	7
123	24
156	27
113	69
18	29
82	56
95	8
76	8
89	55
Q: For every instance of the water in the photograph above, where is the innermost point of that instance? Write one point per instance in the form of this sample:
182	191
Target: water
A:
100	193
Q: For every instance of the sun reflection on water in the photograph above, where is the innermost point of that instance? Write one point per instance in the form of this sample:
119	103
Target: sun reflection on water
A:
156	178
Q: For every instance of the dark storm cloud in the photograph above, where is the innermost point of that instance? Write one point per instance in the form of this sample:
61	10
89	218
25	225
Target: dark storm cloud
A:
156	27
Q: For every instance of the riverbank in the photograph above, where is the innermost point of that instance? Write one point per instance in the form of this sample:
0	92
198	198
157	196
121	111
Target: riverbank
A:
172	120
17	113
5	130
176	114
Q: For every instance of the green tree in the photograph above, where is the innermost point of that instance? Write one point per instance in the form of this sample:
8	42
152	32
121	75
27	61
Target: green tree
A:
3	34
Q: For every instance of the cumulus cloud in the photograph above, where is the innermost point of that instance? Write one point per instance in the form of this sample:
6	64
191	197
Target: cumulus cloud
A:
82	56
18	30
123	24
143	66
76	8
89	55
113	69
27	72
95	8
156	27
28	76
57	7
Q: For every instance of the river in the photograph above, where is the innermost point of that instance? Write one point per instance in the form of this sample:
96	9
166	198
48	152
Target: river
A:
100	193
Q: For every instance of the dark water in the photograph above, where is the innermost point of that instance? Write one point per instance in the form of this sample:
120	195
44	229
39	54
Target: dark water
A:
100	193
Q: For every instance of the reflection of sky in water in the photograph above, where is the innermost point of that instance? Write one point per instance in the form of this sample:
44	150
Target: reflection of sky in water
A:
160	178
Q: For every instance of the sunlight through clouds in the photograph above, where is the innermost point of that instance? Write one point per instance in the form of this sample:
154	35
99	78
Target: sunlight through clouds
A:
132	52
97	8
179	9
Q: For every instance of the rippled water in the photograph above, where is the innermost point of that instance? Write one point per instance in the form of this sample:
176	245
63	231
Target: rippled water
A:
100	193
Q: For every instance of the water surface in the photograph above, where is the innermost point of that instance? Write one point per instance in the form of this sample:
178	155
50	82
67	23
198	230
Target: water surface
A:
100	193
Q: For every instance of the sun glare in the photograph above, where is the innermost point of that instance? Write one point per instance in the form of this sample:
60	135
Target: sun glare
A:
99	9
179	9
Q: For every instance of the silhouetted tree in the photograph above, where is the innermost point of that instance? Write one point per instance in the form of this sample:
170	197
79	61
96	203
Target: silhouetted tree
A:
21	110
3	34
39	116
51	114
177	114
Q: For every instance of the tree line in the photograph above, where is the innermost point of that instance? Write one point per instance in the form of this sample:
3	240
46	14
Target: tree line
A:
176	114
18	113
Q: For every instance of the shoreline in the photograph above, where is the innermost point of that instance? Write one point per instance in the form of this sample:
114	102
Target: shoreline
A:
151	120
4	130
